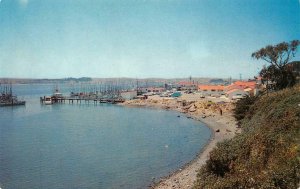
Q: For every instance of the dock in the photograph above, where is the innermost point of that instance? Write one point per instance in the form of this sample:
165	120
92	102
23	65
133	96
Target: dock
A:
72	100
108	93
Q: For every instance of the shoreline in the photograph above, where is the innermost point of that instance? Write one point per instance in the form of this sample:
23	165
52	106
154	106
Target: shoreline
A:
184	177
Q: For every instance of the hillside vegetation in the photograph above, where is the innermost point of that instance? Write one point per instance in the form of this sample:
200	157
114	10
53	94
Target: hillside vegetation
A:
267	152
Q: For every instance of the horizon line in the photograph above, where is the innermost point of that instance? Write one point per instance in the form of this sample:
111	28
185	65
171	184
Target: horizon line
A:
134	78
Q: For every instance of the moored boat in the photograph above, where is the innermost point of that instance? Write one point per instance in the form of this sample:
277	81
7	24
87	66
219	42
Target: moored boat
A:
12	103
48	100
8	99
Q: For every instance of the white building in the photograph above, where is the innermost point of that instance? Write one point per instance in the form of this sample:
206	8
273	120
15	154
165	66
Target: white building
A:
128	95
236	94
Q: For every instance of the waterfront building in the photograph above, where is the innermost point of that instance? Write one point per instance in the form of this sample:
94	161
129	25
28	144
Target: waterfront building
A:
155	90
211	90
186	86
128	95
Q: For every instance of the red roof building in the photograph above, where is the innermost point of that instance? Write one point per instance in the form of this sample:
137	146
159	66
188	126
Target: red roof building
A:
185	85
233	86
245	84
241	85
211	88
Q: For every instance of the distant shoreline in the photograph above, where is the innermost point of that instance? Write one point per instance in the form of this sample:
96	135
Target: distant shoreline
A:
143	81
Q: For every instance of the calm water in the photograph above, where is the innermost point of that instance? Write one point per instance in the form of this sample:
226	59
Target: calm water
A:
91	146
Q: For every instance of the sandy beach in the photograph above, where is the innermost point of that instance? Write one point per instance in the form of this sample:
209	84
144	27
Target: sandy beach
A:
205	110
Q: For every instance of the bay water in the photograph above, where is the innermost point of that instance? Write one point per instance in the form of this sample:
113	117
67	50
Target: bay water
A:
91	145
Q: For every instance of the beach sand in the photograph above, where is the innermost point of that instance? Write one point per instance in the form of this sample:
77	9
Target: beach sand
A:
205	110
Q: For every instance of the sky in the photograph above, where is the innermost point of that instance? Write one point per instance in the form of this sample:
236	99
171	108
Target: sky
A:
141	38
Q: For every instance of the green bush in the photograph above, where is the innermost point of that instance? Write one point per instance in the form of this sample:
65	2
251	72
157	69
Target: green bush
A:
267	152
242	107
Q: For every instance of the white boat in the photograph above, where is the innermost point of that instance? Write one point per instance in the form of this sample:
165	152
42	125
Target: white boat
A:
57	95
48	100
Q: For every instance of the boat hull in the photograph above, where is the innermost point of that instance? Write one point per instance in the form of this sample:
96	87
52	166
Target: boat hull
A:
21	103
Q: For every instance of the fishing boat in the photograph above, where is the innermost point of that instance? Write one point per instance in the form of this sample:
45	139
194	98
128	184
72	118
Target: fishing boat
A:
57	96
11	101
54	98
8	99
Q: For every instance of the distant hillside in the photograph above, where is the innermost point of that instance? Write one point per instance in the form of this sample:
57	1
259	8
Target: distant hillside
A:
266	154
122	80
295	66
218	81
31	81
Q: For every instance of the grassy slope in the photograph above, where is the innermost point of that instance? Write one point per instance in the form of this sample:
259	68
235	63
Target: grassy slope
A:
266	154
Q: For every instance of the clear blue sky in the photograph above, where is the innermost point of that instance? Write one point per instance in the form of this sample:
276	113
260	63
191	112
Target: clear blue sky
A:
141	38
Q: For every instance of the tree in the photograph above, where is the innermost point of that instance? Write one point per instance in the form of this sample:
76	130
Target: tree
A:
278	56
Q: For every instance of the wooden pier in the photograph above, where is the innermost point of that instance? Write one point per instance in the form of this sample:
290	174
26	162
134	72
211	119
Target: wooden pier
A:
72	100
110	95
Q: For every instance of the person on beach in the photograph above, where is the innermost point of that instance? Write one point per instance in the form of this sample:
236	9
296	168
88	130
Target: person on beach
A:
221	112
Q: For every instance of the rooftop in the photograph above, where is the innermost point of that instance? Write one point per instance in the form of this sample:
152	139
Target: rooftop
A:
211	87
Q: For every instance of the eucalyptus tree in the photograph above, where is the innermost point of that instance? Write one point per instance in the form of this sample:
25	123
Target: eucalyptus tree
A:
277	71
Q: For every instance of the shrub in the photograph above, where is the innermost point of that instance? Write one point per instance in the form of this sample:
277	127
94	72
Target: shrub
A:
242	107
266	153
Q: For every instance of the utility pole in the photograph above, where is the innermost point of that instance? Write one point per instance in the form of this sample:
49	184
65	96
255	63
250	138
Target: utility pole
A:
230	80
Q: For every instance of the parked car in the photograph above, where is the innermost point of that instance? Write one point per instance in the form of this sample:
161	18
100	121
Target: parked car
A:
238	96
